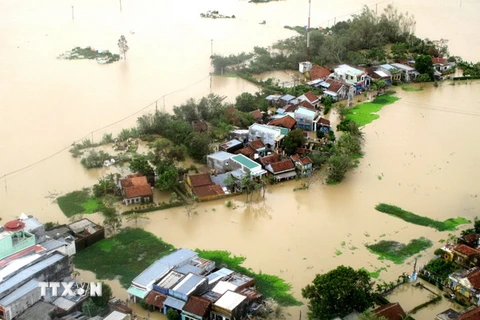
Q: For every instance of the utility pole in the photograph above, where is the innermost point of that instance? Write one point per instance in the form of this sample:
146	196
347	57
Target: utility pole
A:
211	57
73	14
308	30
120	5
376	7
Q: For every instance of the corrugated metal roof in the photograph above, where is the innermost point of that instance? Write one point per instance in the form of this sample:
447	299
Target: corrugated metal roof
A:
218	275
162	266
305	112
174	303
20	292
31	223
224	286
188	268
52	244
189	283
27	273
230	300
170	280
221	155
63	303
39	310
116	315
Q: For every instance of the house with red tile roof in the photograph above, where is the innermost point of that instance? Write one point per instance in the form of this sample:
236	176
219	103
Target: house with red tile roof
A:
304	165
257	116
197	308
473	314
202	187
269	159
337	89
284	122
465	255
135	189
282	170
471	239
391	311
247	151
258	146
317	72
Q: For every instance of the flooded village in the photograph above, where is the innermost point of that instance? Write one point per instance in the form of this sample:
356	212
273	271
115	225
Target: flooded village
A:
231	205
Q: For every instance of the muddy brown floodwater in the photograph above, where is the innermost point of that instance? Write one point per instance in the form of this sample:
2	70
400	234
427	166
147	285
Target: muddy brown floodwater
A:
425	147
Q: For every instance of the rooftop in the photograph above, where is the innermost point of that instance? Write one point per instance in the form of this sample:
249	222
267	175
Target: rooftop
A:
287	97
198	180
266	128
473	314
230	300
170	280
347	68
257	144
155	299
402	66
257	114
218	275
318	72
138	191
305	112
189	283
285	121
160	267
31	223
64	303
229	144
448	314
174	303
209	190
220	155
245	161
116	315
270	159
285	165
224	286
464	249
198	306
474	278
310	96
19	292
37	311
246	151
84	224
391	311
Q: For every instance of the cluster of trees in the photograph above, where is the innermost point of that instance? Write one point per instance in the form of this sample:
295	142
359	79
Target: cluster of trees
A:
96	305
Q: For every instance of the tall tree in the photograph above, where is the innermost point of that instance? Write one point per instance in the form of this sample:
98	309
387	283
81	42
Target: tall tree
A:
123	46
338	293
293	140
137	216
140	164
424	65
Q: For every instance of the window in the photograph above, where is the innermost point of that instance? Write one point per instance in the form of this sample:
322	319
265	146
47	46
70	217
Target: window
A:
300	126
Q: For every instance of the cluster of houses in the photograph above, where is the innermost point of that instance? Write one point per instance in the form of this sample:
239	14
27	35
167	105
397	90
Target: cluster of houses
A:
195	288
29	254
345	81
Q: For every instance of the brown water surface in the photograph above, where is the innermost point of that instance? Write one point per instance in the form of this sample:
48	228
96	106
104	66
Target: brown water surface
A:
425	147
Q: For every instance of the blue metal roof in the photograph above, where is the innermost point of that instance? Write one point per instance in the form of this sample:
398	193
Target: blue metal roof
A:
27	273
162	266
20	292
188	268
174	303
287	97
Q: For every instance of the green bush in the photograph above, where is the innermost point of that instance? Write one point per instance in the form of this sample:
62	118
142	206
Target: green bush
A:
77	202
398	252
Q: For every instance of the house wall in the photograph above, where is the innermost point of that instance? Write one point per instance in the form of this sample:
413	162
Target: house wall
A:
266	137
22	304
304	122
16	242
83	242
218	165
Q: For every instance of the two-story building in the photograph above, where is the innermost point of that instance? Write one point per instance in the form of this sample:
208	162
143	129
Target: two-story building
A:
351	75
305	119
270	135
408	73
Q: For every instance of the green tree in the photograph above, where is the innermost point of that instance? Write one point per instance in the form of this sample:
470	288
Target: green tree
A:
293	140
199	146
173	315
137	216
112	219
246	102
338	293
102	301
349	144
379	84
140	164
90	308
123	46
424	65
167	179
338	165
399	50
106	185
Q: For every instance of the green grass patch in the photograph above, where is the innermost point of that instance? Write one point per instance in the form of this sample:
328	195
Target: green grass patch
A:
125	255
375	274
338	252
410	89
397	252
78	202
269	286
447	225
364	113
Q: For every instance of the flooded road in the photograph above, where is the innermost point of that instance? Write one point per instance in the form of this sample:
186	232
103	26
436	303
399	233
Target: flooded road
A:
425	147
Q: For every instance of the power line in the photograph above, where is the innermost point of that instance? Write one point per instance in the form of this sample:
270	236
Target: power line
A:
97	130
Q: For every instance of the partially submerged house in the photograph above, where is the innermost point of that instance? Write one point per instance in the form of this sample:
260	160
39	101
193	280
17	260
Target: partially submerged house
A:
336	89
305	119
246	166
230	306
408	73
230	146
310	97
202	187
285	100
318	73
270	135
282	170
219	161
135	189
285	121
465	255
86	233
257	116
395	73
391	311
304	165
465	285
352	76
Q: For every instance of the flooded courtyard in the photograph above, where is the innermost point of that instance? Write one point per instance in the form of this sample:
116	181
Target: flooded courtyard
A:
425	147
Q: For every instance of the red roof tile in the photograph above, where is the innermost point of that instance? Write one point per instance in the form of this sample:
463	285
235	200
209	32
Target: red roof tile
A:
198	305
474	278
270	159
470	315
207	191
138	191
464	249
257	114
306	161
391	311
471	237
439	60
295	157
307	105
250	293
246	151
324	122
318	72
199	180
335	85
311	96
281	166
285	122
291	108
257	144
155	299
133	180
